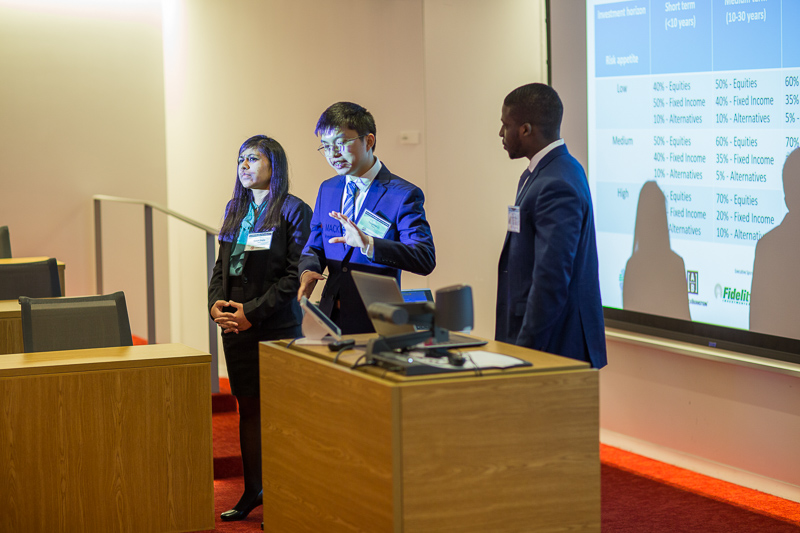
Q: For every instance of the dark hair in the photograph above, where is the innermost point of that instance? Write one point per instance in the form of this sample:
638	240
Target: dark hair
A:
538	105
278	189
347	115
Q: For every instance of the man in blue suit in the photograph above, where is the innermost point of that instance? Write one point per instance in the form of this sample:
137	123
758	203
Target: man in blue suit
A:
548	289
365	218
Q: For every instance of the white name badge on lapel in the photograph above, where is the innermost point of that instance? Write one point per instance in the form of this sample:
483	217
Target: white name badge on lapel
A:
513	218
258	241
373	225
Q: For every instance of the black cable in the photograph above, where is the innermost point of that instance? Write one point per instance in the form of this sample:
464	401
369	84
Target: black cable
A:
343	349
477	370
292	341
371	364
356	365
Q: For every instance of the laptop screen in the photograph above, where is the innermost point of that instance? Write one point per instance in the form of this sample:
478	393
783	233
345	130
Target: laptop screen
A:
417	295
374	288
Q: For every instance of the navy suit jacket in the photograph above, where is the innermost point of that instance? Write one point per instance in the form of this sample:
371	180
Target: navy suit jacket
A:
407	245
548	288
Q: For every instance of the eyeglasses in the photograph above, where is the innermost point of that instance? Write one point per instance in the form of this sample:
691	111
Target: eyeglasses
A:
338	146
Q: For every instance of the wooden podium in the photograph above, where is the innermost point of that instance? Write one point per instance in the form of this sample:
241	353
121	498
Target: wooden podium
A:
108	439
371	451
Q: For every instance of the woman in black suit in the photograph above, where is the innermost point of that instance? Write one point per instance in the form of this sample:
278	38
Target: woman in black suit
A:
252	295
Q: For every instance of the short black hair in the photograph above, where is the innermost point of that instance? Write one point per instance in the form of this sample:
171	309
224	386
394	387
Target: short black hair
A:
347	115
539	105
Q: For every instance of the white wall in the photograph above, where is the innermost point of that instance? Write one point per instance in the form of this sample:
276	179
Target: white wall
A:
82	113
440	68
476	52
727	415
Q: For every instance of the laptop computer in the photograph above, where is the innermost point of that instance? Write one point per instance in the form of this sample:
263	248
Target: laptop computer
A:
417	295
374	288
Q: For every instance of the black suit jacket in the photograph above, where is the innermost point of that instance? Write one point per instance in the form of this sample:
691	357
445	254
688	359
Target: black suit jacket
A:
269	277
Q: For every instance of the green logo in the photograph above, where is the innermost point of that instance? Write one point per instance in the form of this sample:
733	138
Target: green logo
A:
732	295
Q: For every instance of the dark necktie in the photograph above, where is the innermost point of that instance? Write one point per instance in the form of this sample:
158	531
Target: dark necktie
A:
349	207
522	180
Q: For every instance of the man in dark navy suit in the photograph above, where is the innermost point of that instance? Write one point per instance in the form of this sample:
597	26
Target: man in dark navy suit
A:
365	218
548	290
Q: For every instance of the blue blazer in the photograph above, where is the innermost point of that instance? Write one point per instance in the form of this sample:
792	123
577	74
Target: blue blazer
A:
548	288
408	244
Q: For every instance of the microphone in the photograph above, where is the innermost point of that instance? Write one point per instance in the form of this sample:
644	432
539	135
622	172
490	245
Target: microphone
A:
454	308
388	313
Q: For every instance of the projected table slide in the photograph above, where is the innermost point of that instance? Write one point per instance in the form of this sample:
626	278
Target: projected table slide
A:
703	99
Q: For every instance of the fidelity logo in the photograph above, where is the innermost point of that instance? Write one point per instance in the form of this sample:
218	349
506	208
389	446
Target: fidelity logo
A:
731	295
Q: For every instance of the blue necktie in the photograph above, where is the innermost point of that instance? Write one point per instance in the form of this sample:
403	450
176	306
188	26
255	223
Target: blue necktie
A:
349	207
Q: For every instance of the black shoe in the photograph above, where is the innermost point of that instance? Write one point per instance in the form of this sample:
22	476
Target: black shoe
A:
236	514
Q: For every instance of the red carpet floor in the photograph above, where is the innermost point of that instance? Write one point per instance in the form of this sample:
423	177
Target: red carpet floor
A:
636	504
639	495
226	494
228	482
225	422
704	486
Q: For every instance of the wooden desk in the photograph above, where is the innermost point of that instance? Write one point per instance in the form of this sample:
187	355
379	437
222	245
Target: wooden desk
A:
61	267
370	451
109	439
10	327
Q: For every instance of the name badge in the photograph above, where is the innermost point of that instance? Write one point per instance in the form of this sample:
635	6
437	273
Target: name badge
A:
513	218
373	225
258	241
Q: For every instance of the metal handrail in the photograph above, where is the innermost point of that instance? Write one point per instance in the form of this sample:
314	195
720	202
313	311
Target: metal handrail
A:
211	234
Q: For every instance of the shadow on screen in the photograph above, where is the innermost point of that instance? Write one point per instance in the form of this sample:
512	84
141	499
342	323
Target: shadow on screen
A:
775	293
655	276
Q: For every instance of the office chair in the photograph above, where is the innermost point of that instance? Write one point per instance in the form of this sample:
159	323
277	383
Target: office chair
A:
52	324
37	280
5	243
